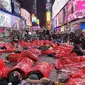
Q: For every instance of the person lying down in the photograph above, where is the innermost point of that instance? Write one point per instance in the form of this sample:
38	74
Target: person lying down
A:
36	78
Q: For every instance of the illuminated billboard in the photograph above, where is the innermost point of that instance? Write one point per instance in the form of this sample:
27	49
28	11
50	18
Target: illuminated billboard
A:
16	6
26	15
48	19
5	19
78	9
48	16
57	6
6	5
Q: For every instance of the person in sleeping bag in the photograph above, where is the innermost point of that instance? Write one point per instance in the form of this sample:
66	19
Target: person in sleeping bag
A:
77	50
3	48
14	78
44	47
42	81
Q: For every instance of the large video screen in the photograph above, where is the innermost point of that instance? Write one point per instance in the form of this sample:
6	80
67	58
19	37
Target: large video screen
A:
16	7
5	20
15	22
60	18
76	9
6	4
26	15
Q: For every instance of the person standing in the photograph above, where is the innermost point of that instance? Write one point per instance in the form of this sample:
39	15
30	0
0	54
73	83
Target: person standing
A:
83	41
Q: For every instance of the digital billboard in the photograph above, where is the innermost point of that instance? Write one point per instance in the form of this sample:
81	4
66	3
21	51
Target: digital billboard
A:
77	9
16	6
15	22
60	18
26	15
57	6
5	19
6	4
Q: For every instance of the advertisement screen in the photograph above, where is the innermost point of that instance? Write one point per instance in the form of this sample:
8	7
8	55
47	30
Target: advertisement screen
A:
5	19
15	22
66	14
70	11
26	15
80	9
76	9
60	18
82	26
6	4
16	7
57	6
80	5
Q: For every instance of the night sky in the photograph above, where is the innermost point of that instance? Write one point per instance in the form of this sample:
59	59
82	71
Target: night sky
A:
27	4
41	11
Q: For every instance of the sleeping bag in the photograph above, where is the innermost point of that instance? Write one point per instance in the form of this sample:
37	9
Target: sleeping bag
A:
3	69
7	48
30	55
41	70
24	66
18	56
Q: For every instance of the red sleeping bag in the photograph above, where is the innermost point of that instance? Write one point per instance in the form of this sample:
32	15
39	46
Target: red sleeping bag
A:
9	48
47	52
30	55
77	78
62	51
38	43
23	66
47	42
3	69
60	54
76	81
24	44
68	61
16	57
44	68
35	51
